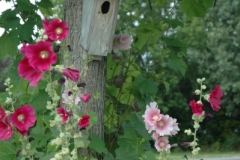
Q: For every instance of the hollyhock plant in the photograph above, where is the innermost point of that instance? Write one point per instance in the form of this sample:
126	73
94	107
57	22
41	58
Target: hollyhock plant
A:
2	113
85	97
63	113
164	126
121	41
5	129
175	127
23	117
67	96
152	114
40	56
214	98
162	144
55	29
72	74
23	132
196	107
28	73
84	121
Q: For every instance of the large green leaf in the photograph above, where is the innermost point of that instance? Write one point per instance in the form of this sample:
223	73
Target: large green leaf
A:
9	19
123	153
26	30
97	144
177	64
45	4
7	151
193	8
145	85
8	48
25	5
39	101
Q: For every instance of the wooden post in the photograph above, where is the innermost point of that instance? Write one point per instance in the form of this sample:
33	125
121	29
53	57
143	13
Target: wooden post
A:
91	28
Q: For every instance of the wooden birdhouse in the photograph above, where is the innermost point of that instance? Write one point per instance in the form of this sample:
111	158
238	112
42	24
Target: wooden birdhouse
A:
99	18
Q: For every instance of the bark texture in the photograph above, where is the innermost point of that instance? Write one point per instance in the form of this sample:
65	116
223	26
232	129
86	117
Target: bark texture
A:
95	76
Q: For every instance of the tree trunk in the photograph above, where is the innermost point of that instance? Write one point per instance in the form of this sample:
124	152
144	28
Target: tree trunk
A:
95	76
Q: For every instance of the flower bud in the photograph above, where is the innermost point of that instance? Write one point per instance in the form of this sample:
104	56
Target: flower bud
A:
188	131
196	125
203	79
197	92
203	87
28	146
199	80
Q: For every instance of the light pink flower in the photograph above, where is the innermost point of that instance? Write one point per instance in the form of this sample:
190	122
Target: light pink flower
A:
40	56
196	107
84	121
121	41
155	135
5	129
28	73
164	126
55	29
162	144
63	113
175	127
72	74
24	117
67	96
2	113
214	98
85	97
152	114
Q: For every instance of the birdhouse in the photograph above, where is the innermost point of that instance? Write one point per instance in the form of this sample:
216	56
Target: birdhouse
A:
99	18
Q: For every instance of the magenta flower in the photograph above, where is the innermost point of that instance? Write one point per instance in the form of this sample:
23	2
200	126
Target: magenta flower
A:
55	29
214	98
84	121
63	113
28	73
23	117
164	126
121	42
72	74
22	50
2	113
152	114
85	97
162	144
196	107
5	129
23	132
40	56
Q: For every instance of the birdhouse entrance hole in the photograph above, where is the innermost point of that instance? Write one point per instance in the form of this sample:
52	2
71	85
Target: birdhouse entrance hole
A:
105	7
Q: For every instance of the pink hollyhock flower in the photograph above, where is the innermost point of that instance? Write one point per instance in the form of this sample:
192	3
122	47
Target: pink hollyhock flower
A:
85	97
214	98
63	113
23	132
22	50
196	107
55	29
28	73
2	113
23	117
155	135
162	144
175	127
164	126
152	114
67	96
40	56
148	127
121	42
5	130
84	121
72	74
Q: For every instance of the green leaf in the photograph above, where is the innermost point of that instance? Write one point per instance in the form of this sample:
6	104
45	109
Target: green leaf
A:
113	67
6	45
166	84
26	30
159	2
39	101
145	85
93	118
46	11
193	8
97	144
125	154
108	156
175	44
9	19
25	5
174	23
7	151
45	4
177	64
208	3
150	155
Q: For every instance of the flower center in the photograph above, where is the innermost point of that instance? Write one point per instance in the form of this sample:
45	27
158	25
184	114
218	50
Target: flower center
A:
44	54
161	123
162	144
155	117
20	117
59	30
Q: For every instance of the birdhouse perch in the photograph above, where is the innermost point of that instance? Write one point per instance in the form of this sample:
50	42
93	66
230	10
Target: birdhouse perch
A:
99	18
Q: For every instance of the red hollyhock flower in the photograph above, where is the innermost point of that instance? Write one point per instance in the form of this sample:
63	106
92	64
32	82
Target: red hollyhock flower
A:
63	113
23	117
2	113
84	121
40	56
28	73
196	107
56	29
214	98
72	74
85	97
5	130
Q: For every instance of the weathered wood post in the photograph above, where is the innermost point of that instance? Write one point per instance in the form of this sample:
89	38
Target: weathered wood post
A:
91	29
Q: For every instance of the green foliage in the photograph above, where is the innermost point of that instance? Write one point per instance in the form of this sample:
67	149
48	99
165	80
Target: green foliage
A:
97	144
177	64
7	150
